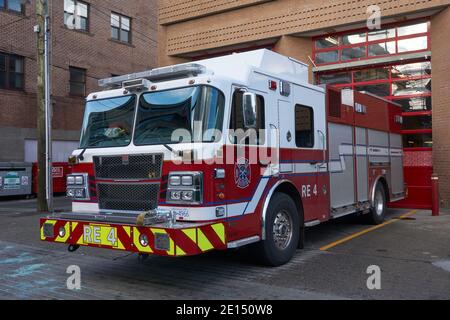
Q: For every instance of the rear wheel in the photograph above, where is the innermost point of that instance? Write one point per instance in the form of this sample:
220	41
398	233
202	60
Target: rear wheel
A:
377	213
282	231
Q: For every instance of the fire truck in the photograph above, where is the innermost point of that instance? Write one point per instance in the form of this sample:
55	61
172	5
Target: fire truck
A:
224	153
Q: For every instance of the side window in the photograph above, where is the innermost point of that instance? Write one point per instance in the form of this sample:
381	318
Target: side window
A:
304	126
254	136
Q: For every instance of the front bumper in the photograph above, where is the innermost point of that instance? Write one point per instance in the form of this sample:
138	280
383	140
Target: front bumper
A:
169	238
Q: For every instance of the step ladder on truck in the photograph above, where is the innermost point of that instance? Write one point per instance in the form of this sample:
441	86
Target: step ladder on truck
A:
223	153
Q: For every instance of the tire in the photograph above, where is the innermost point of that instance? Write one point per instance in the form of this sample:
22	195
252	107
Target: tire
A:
282	232
377	213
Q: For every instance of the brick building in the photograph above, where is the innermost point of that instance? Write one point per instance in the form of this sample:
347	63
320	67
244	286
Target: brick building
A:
396	61
91	39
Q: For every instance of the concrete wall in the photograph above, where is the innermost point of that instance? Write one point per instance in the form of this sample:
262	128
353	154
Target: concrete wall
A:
12	141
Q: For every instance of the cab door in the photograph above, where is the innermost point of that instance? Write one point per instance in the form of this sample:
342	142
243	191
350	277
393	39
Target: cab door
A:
286	137
245	181
309	155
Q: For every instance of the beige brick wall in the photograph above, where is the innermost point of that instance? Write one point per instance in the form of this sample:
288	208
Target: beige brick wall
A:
277	18
180	10
440	46
297	48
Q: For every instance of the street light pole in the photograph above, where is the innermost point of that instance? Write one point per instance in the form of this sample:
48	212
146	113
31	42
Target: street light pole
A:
48	115
44	132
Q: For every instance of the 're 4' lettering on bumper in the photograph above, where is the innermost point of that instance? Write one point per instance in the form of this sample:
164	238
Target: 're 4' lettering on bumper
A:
175	240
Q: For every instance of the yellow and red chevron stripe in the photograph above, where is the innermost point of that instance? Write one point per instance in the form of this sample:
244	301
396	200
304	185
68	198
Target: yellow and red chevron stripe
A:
184	241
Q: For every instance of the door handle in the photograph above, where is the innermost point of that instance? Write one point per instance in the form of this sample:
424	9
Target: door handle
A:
324	148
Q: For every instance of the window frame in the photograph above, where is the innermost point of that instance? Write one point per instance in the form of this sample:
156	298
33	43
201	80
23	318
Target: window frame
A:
88	20
8	72
119	39
339	47
313	126
392	79
261	122
84	82
6	7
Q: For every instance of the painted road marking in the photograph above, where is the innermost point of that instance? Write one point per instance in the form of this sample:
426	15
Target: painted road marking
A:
361	233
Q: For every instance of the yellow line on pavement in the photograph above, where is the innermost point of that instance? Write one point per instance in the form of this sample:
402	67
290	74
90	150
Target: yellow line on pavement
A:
361	233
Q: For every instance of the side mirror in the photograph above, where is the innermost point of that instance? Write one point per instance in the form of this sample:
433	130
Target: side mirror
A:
249	110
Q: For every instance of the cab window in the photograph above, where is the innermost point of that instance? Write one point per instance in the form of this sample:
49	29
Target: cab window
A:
304	126
252	136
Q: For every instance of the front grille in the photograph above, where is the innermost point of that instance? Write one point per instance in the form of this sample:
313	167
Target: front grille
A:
128	197
128	167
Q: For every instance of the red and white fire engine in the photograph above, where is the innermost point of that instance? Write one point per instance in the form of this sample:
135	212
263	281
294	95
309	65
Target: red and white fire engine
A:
223	153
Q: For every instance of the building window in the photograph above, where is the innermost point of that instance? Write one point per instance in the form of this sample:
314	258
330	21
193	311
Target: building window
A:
13	5
408	84
76	15
327	57
11	72
120	28
77	81
304	126
370	44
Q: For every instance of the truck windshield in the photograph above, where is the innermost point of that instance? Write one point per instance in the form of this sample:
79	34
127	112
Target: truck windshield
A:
198	111
108	122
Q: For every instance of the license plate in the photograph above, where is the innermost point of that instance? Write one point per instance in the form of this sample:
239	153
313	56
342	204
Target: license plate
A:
100	235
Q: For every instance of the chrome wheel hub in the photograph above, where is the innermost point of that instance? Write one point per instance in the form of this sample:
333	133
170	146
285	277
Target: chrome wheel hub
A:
379	203
282	230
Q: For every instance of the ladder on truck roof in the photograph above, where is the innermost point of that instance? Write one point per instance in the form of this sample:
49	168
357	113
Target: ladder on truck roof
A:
155	75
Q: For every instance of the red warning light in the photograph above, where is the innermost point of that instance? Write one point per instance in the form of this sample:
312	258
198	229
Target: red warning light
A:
273	85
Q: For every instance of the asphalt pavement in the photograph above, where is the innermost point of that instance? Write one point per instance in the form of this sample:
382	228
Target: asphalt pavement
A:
411	250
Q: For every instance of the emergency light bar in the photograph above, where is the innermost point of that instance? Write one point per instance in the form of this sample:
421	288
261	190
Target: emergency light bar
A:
156	75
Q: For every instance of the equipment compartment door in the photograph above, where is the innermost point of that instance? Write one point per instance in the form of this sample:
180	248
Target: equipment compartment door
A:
342	165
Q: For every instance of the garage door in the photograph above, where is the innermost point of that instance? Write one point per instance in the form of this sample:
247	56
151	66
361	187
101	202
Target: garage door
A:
61	150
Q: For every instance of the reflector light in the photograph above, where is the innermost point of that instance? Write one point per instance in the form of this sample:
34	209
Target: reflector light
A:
273	85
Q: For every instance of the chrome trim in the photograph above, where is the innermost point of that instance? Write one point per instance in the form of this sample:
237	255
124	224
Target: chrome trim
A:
150	218
129	155
372	196
312	223
266	206
243	242
324	147
196	175
84	186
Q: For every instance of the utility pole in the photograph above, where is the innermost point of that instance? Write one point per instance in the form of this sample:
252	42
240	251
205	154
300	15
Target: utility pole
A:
44	133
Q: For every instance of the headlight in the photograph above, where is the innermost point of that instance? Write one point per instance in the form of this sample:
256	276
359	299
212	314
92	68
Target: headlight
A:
62	232
175	195
187	181
187	196
78	186
175	180
71	193
79	193
79	180
70	180
185	188
143	239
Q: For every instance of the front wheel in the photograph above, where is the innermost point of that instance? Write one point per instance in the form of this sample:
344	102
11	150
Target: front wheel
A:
282	231
377	213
